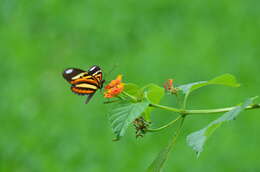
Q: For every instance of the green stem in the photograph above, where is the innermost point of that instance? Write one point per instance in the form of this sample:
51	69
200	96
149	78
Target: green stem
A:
165	107
164	126
130	96
163	155
201	111
111	101
206	111
191	112
176	134
185	101
180	127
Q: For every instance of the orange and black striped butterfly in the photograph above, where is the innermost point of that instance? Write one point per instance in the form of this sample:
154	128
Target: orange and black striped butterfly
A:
84	82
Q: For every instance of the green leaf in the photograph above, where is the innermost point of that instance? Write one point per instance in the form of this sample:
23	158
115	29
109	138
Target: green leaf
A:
226	79
197	139
124	114
154	94
133	89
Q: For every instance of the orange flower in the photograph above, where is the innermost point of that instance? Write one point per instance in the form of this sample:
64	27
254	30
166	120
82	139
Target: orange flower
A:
114	88
169	87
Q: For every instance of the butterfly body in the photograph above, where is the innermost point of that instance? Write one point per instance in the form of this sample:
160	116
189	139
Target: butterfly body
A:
84	82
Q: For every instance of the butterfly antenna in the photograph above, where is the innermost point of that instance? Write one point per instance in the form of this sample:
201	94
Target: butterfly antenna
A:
112	69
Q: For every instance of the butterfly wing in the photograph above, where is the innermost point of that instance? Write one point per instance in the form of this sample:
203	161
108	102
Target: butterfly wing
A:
85	85
84	82
72	74
96	72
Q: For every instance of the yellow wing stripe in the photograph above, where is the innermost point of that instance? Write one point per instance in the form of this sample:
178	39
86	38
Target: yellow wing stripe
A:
81	75
84	85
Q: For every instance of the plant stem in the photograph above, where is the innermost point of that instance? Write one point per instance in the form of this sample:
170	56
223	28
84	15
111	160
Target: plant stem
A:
163	155
176	134
206	111
165	107
130	96
185	101
111	101
201	111
192	112
180	127
164	126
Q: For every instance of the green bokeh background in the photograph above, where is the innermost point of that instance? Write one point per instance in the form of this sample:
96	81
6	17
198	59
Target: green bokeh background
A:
44	127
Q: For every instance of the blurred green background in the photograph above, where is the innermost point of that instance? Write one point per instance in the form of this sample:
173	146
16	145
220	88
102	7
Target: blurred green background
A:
45	127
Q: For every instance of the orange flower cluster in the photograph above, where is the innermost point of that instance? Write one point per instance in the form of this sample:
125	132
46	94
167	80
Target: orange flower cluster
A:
169	87
114	88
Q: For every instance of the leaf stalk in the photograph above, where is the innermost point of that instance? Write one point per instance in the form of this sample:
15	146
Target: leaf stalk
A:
164	126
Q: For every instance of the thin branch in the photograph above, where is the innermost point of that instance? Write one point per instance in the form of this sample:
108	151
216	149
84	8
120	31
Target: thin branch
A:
206	111
165	107
201	111
191	112
164	126
162	157
130	96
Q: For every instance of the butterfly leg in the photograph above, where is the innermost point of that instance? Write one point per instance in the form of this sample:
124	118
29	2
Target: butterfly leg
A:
89	96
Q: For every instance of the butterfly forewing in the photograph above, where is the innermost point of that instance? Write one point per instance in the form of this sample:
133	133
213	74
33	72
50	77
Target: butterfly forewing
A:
71	74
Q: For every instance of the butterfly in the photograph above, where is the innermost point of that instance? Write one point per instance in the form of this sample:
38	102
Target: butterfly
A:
84	82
